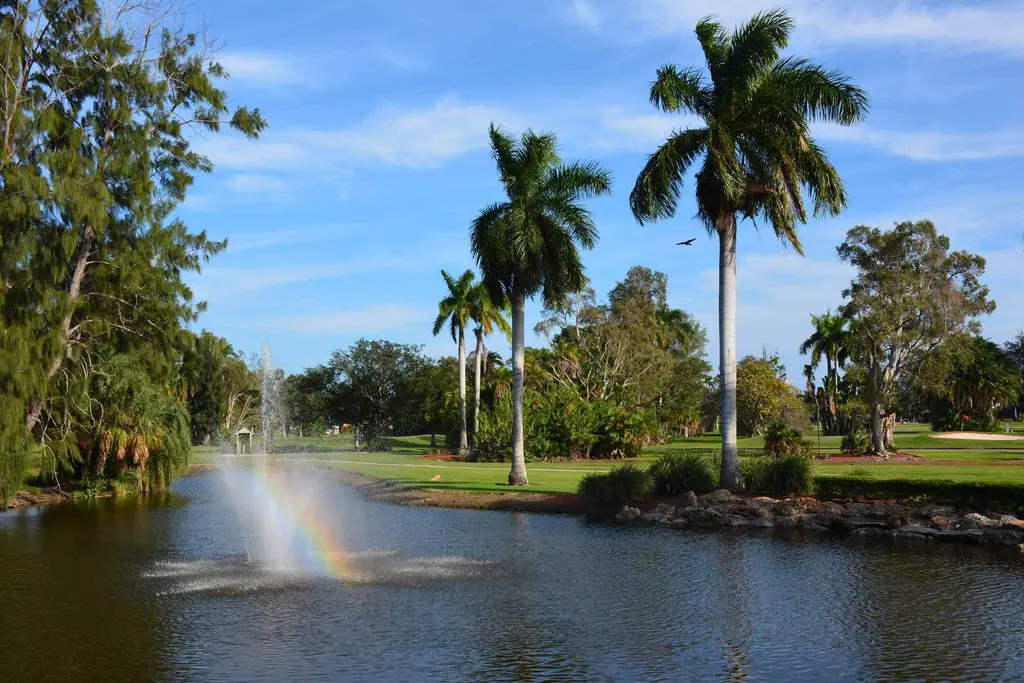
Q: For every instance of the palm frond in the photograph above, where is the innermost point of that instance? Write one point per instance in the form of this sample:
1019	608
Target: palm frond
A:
656	192
681	90
754	47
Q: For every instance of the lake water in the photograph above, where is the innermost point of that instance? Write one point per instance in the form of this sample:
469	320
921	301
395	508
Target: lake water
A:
160	591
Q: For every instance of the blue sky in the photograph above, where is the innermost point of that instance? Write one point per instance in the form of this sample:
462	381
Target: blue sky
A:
341	216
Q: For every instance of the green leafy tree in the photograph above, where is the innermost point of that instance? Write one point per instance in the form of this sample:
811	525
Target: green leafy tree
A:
1015	348
205	387
758	157
456	311
829	341
968	375
763	395
374	388
99	105
909	295
307	398
529	243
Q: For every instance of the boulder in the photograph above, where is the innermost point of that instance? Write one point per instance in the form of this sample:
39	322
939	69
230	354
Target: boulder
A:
718	496
628	514
940	521
689	499
974	520
1011	522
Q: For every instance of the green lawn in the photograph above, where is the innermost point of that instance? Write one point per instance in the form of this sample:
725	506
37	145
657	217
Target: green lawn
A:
982	461
908	438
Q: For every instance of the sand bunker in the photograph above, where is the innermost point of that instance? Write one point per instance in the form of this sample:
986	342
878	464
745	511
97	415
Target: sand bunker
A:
981	436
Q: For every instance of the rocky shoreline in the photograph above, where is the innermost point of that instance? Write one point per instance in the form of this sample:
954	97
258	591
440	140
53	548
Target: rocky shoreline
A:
899	520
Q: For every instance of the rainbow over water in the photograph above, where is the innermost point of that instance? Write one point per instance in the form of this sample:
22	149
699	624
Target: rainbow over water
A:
286	523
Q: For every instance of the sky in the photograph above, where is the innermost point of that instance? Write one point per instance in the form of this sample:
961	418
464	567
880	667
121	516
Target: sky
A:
341	216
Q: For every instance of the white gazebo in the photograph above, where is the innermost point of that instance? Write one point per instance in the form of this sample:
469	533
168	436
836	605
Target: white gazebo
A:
243	441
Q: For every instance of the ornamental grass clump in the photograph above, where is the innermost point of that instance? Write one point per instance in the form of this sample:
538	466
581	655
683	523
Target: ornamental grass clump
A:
605	494
676	473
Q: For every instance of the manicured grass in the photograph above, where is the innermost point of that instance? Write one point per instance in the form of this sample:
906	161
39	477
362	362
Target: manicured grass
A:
996	474
908	438
404	463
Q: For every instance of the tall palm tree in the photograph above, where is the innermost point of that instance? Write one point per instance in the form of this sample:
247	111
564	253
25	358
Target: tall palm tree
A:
456	310
529	243
487	315
757	157
830	340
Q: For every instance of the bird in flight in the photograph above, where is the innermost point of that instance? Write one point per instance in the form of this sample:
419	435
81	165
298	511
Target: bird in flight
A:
686	242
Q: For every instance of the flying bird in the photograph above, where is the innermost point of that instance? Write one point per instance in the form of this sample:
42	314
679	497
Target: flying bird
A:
686	242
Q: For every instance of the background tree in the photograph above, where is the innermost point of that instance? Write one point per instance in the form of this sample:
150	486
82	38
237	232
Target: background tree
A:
1015	349
487	315
763	396
456	311
205	385
99	107
529	243
910	294
967	376
758	157
307	399
829	341
375	384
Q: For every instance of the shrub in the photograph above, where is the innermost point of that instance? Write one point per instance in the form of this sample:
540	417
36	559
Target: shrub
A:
992	497
622	433
780	439
677	473
604	494
779	476
856	441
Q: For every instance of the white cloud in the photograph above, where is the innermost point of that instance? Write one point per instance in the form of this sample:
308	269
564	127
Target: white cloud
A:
930	145
263	68
369	320
424	137
415	138
622	129
584	13
223	284
993	26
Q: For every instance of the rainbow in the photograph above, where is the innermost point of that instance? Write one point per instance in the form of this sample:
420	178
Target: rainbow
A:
310	541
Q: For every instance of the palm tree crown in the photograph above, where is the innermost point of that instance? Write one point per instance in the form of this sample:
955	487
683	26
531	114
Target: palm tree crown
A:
757	150
829	340
528	243
456	309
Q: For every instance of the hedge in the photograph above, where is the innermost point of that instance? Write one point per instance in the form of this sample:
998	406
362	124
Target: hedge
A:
967	495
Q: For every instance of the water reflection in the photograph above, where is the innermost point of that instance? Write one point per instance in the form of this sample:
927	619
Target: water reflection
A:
161	591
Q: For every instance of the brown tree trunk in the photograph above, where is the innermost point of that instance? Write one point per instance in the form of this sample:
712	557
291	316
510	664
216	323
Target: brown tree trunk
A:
888	428
81	260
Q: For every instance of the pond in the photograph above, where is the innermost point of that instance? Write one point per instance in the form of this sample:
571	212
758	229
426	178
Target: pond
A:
160	590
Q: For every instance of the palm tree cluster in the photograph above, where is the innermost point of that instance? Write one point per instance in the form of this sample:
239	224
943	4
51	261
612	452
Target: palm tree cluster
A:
469	303
755	159
829	341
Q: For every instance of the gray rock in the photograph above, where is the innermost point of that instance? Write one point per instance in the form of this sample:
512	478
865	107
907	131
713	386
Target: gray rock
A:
689	499
973	520
718	496
1011	522
628	514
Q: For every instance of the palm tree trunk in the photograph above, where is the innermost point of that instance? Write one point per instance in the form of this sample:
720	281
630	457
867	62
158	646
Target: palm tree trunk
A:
726	224
476	382
463	442
517	476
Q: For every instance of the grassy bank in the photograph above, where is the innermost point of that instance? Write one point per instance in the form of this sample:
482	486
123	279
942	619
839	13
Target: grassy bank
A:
407	465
